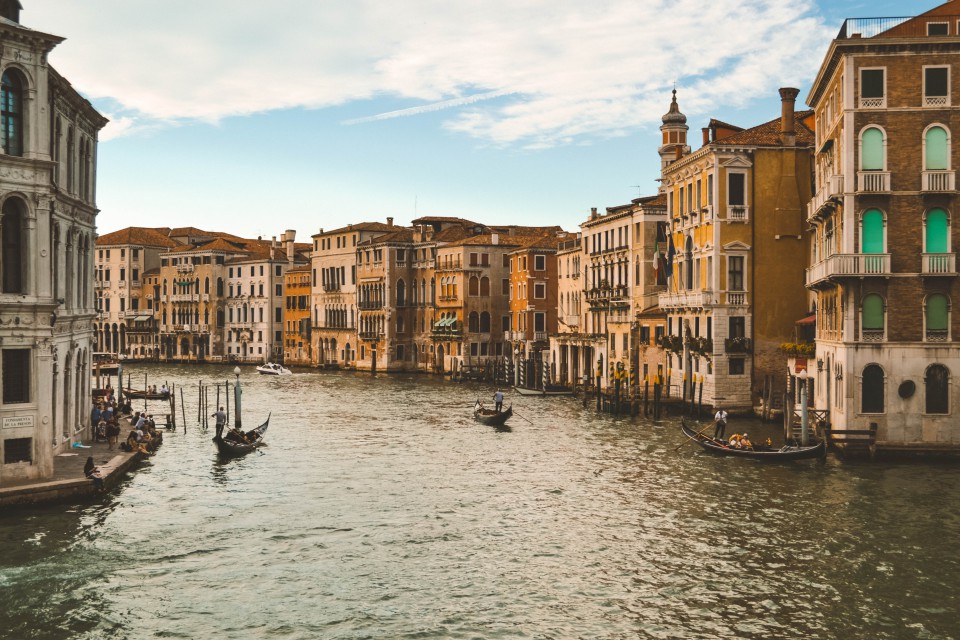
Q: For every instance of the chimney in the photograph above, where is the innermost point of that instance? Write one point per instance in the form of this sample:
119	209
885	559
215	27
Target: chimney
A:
706	136
494	238
389	221
593	213
289	236
788	98
679	150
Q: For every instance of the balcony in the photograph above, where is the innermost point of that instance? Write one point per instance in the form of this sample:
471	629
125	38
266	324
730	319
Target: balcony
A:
738	213
939	181
873	103
331	286
936	101
184	268
873	181
571	320
937	335
872	335
370	335
692	299
707	211
736	298
939	264
370	305
540	336
619	318
738	345
831	191
844	265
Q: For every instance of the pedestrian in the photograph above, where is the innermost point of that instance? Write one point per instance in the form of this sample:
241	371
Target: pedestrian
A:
113	431
498	400
720	420
91	471
221	417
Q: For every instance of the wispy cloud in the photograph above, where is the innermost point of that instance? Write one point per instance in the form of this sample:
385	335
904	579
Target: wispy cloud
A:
574	69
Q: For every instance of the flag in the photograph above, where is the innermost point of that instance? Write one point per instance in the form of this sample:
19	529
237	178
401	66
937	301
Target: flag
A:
671	252
656	260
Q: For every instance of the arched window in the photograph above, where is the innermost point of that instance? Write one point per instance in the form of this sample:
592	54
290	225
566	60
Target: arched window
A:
423	291
936	318
936	234
12	244
401	291
688	262
484	322
11	112
206	285
484	286
196	285
220	287
872	318
871	390
433	290
474	322
937	383
936	151
474	286
872	240
872	150
399	324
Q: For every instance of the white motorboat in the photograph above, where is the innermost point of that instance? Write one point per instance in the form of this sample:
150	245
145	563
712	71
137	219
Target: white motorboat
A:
273	369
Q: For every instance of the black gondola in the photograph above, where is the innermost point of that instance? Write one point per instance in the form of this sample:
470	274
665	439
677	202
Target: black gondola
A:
760	452
230	445
491	417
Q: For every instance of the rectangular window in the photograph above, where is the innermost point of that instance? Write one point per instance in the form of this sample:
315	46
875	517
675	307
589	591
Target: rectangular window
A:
401	256
279	290
506	260
938	28
737	367
136	274
735	273
736	189
540	290
873	88
16	376
658	333
473	260
738	327
485	259
505	287
936	86
278	315
645	334
17	450
474	348
539	263
123	304
539	321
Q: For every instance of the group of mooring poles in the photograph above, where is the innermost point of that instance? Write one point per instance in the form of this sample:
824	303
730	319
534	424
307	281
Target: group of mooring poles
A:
696	400
204	412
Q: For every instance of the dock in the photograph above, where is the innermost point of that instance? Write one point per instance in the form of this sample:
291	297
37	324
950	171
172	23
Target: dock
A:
68	482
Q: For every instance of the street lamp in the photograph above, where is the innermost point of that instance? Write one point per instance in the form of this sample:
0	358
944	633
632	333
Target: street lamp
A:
804	416
236	398
516	370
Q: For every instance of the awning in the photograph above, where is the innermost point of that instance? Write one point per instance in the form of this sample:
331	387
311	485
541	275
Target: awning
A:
142	318
445	322
810	319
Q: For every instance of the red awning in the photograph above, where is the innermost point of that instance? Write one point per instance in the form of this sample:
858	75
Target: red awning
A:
810	319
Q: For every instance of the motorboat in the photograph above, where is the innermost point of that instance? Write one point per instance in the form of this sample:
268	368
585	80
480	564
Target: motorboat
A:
273	369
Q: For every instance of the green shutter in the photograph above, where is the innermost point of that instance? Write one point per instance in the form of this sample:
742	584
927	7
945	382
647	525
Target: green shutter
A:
936	231
872	230
871	150
936	152
872	312
937	312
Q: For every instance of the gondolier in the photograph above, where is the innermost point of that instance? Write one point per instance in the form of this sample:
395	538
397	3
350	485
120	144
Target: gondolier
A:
498	401
720	420
221	417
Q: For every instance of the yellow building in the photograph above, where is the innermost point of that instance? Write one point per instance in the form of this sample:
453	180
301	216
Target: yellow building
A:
296	316
737	247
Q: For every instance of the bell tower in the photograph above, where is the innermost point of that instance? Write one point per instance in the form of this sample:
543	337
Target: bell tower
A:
10	9
674	130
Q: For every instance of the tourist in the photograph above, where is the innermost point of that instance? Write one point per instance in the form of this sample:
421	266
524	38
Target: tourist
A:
91	471
745	442
113	432
720	420
498	400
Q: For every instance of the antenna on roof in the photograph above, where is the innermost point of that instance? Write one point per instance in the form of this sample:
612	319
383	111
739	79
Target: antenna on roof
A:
638	188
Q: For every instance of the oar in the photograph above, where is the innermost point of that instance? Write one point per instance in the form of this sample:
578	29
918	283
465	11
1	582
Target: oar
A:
520	416
700	433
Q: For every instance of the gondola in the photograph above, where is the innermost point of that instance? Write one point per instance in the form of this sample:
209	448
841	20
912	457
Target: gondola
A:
230	446
139	394
491	417
760	452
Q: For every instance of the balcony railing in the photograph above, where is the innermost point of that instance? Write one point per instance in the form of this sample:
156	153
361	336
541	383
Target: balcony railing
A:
738	213
691	299
937	335
939	180
849	264
370	335
572	320
738	345
899	27
872	335
944	264
369	305
184	268
540	336
736	298
873	181
873	103
331	286
831	189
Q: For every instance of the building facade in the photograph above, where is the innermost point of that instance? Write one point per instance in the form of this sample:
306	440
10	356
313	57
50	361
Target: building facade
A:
883	262
297	346
48	160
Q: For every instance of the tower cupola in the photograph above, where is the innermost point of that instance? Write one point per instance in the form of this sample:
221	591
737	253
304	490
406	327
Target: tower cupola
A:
674	130
10	9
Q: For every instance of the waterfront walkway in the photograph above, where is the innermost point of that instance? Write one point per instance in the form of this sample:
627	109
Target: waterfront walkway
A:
68	481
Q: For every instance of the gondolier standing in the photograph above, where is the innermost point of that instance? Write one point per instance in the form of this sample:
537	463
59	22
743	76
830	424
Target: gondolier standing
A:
221	417
498	400
720	420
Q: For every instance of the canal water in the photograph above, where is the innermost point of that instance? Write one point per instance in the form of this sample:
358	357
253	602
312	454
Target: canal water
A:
379	509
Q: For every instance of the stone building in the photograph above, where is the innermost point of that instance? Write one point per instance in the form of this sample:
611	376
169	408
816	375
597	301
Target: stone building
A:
48	167
736	249
333	273
573	369
122	258
648	322
883	263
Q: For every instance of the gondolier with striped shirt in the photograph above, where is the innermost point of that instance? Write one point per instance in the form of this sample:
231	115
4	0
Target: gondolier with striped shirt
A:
221	417
720	420
498	401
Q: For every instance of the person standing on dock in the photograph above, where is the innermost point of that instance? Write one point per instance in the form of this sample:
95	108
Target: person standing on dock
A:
498	400
221	417
720	420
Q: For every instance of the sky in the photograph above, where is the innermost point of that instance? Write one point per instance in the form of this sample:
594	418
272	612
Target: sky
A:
257	117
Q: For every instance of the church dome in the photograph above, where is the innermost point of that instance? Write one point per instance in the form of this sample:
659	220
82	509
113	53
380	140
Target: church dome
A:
674	116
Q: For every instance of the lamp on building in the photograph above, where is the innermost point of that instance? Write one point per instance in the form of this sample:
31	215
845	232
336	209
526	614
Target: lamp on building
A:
819	364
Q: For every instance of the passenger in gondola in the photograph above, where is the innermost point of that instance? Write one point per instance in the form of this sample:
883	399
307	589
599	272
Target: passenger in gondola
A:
734	441
745	442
